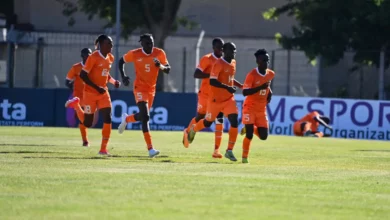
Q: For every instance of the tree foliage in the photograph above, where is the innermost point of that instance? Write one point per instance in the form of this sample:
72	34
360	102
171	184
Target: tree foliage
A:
331	27
156	16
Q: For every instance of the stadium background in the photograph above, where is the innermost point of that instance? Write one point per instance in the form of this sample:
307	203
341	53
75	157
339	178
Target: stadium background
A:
46	48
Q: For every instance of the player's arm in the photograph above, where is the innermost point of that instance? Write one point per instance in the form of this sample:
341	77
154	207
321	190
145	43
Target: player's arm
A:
87	80
238	84
322	122
251	91
113	81
84	75
203	64
269	97
127	58
162	62
70	79
214	79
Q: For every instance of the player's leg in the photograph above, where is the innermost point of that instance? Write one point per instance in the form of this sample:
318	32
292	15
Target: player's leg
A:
201	112
233	133
106	131
306	129
230	109
212	111
218	131
144	118
247	142
83	130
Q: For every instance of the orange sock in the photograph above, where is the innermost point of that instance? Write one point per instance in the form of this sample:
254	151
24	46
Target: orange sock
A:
193	121
83	131
148	140
106	132
246	144
199	126
79	112
233	132
130	119
218	135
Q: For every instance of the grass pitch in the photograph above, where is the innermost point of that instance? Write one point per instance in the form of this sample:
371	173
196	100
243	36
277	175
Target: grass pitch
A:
46	174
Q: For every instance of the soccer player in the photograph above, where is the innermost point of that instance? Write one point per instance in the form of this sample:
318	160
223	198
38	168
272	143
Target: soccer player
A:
203	72
308	125
148	60
221	99
96	75
73	81
258	95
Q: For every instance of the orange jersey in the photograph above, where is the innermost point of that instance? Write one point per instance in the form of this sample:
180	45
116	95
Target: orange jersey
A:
98	68
309	117
224	72
146	72
257	101
205	65
74	75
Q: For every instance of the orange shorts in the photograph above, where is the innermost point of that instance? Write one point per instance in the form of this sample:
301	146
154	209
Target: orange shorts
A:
202	104
214	108
93	101
141	96
259	119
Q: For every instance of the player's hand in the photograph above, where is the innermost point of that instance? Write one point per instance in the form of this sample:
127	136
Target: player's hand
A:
231	89
117	84
156	62
265	85
269	97
126	80
101	90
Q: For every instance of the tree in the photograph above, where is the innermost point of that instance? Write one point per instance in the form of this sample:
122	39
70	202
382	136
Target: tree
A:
331	27
159	17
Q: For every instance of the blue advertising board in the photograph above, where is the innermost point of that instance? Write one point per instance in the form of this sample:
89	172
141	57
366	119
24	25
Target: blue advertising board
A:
360	119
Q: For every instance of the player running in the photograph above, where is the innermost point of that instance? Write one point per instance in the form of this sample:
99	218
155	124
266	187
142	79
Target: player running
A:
74	82
221	99
96	75
148	60
203	72
258	95
308	125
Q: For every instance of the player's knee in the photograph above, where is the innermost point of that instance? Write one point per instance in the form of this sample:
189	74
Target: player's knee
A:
107	120
233	120
263	135
219	120
88	123
145	117
199	117
249	135
207	124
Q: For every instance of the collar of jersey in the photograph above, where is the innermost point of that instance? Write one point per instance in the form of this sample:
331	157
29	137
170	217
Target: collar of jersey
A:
146	53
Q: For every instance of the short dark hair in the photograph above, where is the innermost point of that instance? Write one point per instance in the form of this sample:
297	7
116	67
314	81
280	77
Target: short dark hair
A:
86	51
145	36
217	40
101	38
260	52
229	44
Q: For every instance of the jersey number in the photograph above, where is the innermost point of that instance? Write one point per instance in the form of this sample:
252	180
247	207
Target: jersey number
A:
139	96
263	92
87	109
147	67
231	78
105	72
246	117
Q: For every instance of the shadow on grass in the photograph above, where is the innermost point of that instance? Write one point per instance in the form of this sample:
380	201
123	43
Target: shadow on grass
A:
26	152
69	158
138	156
373	150
28	145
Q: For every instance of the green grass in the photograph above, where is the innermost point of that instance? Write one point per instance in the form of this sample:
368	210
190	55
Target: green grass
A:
46	174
